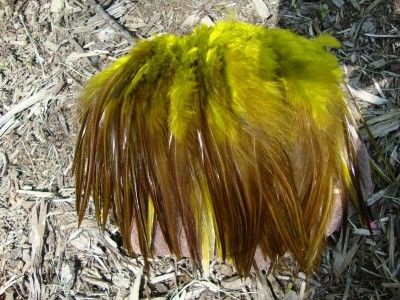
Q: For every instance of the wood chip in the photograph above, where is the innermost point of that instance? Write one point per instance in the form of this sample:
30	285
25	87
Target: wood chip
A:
367	97
135	289
43	95
38	194
262	9
38	226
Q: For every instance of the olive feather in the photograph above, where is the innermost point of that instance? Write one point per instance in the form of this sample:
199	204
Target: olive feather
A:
235	136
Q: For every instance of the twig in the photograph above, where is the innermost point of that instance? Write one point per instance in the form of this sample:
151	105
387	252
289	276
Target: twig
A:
110	21
4	163
357	32
373	35
378	149
371	6
75	71
379	171
38	194
30	158
38	57
9	282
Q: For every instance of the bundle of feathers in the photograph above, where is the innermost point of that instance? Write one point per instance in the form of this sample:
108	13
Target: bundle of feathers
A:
235	137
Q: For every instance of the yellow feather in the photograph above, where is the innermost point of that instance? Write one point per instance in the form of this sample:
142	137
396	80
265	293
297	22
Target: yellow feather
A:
235	133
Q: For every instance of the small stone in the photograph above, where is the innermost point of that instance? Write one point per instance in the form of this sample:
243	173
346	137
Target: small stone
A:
235	283
106	34
119	280
377	64
353	57
291	295
66	274
368	26
49	45
338	3
57	6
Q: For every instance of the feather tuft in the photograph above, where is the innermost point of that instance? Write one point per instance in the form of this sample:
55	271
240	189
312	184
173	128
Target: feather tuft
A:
234	136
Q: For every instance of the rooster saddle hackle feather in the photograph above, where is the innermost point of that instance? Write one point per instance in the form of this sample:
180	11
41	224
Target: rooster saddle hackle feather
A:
234	136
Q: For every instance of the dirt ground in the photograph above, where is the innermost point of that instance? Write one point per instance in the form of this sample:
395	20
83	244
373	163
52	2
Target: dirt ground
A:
48	51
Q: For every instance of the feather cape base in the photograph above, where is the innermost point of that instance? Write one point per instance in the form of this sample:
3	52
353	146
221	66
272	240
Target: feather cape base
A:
235	136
